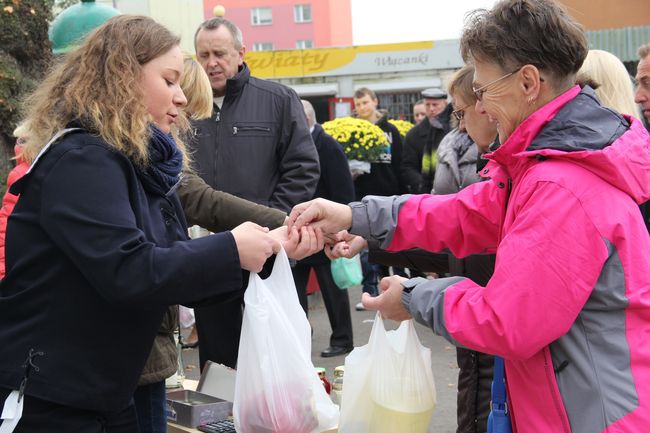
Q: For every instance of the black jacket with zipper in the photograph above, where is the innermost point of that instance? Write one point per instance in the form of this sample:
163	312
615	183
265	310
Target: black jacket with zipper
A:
424	137
258	146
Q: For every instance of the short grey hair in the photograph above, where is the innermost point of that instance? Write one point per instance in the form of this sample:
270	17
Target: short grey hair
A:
644	51
215	23
309	112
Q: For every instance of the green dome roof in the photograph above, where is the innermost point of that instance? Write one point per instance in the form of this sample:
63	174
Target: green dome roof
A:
73	24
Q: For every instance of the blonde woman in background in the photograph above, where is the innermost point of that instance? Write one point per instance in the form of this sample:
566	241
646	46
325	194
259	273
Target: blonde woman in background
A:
196	86
604	72
163	360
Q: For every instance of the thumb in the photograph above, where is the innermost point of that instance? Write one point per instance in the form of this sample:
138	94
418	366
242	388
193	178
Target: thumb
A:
370	302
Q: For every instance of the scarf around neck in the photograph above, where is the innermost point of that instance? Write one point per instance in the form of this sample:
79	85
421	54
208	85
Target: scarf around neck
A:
163	173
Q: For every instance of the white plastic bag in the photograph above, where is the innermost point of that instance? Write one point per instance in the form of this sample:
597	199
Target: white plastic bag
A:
388	385
277	389
360	166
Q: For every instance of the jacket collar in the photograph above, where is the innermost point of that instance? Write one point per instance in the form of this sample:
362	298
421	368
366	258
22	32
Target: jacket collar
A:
316	133
583	124
526	132
235	84
575	127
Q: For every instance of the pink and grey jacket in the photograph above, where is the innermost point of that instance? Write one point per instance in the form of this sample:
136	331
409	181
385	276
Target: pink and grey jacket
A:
568	306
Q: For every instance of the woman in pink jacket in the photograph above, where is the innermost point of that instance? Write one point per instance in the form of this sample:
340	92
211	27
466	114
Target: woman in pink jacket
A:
9	200
568	306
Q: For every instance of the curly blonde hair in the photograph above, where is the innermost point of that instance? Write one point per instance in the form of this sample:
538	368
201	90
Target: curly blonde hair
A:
99	85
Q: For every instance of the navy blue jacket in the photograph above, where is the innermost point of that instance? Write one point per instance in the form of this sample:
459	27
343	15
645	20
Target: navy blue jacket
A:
93	260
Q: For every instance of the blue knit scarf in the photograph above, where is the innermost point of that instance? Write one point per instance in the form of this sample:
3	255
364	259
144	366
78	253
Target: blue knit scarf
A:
165	163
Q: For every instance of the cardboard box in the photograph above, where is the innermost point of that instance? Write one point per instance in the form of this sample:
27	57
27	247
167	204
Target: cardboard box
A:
191	408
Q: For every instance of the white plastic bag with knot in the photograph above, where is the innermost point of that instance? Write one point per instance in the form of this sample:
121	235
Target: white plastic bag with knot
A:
388	385
277	389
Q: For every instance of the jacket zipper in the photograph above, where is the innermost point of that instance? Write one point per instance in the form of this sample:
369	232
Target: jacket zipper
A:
508	187
550	378
236	129
217	140
508	192
168	214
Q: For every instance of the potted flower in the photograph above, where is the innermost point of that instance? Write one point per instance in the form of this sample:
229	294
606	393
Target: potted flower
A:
362	141
403	126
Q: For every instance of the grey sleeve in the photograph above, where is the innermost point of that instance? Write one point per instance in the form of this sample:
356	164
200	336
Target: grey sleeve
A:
374	218
426	303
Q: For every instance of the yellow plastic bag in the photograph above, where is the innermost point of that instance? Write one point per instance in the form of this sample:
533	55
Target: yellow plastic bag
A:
388	385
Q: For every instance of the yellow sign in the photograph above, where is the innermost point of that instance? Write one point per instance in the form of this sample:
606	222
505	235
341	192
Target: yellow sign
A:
326	61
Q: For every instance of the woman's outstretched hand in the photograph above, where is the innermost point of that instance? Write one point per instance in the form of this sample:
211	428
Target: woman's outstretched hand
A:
348	246
389	301
329	216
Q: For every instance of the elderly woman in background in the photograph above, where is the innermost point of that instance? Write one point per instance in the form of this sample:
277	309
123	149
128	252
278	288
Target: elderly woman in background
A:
567	306
459	161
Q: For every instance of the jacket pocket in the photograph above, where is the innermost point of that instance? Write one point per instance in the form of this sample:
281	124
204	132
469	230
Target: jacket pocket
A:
252	129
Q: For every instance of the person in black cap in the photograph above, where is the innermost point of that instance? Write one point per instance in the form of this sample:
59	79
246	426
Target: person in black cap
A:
421	142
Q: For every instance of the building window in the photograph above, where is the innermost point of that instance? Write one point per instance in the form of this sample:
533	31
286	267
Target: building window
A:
399	104
304	44
263	46
261	16
302	13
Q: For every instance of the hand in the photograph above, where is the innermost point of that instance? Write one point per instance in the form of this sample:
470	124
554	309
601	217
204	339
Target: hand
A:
326	215
254	245
355	173
299	244
340	249
389	302
348	248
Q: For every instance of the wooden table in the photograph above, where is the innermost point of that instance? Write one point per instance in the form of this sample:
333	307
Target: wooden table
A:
175	428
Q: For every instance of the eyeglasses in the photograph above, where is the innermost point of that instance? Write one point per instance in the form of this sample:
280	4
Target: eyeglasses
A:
481	90
460	113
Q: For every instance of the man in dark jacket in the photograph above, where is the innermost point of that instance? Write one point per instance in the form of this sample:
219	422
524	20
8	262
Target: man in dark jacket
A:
421	142
335	184
256	146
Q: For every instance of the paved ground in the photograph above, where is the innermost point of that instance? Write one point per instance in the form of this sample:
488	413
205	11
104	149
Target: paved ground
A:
443	357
